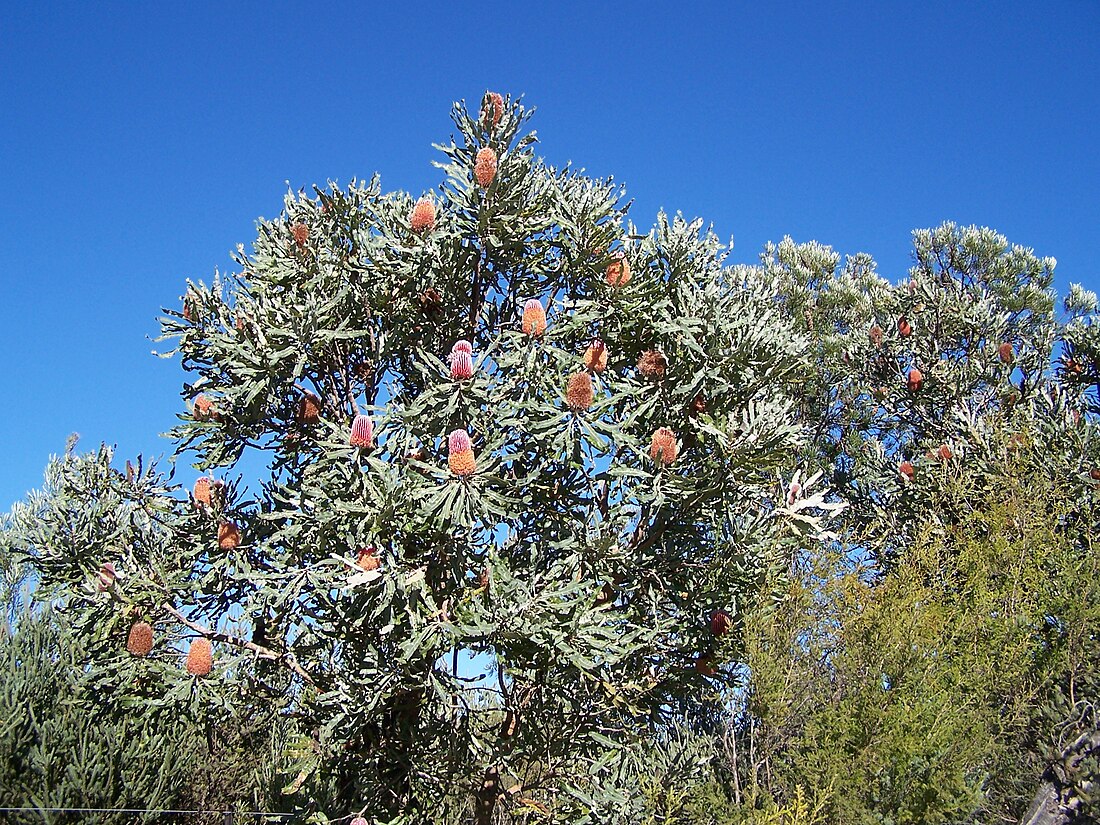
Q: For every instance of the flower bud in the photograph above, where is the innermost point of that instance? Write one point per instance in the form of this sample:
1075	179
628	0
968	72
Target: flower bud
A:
485	167
662	447
362	431
422	217
534	317
200	657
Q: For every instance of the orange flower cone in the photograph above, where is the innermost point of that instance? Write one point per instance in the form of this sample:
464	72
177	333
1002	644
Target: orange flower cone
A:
460	453
140	641
485	167
201	491
229	536
492	109
362	431
367	559
595	357
618	272
534	317
301	234
422	217
578	392
652	363
200	658
662	447
1006	353
915	380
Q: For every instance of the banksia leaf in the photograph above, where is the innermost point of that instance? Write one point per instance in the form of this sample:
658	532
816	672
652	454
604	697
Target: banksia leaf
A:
915	380
422	217
652	363
309	409
229	536
662	447
485	167
362	431
579	393
534	317
460	457
461	360
492	109
618	272
140	641
721	623
200	657
595	357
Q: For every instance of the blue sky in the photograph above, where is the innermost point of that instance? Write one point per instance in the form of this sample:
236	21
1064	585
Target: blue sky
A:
139	142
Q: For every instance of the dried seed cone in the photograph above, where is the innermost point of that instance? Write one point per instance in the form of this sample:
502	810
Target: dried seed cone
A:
485	167
200	658
915	380
595	357
301	234
905	329
201	492
876	335
662	447
460	453
534	317
618	272
906	470
492	109
1005	352
579	393
367	559
652	363
1094	473
422	217
721	623
140	641
309	409
362	431
229	536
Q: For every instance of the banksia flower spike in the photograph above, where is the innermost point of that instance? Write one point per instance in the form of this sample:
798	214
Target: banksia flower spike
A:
362	431
229	536
618	272
460	453
944	453
188	312
595	357
1005	352
1094	473
107	576
493	109
579	393
721	623
301	234
485	167
905	329
359	821
140	641
201	492
462	361
205	409
309	409
367	559
534	317
876	335
915	380
200	658
652	363
422	217
662	447
905	469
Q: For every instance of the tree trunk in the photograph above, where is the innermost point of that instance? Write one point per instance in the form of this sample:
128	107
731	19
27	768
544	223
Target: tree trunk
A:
1056	802
486	797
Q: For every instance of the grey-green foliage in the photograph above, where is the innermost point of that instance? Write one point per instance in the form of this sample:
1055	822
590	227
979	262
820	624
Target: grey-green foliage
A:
601	566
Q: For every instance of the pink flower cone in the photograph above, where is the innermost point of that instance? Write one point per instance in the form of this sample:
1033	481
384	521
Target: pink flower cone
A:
462	361
362	431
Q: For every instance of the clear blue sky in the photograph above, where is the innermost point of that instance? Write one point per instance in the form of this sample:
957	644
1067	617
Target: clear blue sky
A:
138	143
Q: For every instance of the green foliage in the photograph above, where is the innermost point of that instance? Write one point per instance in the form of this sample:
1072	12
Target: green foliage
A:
578	569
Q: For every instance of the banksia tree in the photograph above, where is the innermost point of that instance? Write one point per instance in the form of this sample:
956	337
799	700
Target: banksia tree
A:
675	501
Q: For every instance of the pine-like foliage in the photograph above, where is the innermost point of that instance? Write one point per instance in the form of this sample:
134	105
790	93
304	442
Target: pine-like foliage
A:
578	550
